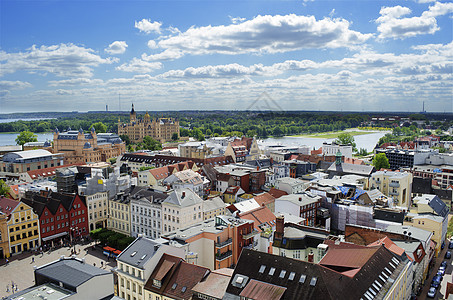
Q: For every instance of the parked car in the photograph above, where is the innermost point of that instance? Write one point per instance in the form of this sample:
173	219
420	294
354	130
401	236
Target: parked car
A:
443	264
442	246
432	292
441	271
436	281
450	245
448	254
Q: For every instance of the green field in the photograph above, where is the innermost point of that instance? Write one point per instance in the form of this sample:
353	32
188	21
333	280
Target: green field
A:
333	135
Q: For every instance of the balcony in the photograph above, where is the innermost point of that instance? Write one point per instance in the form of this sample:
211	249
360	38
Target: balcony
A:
394	193
394	184
223	256
252	245
225	243
250	235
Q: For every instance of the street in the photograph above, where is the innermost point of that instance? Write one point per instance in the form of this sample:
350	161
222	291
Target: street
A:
19	271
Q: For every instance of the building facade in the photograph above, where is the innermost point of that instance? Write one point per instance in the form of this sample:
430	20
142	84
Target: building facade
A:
80	147
97	210
24	161
119	214
160	129
397	185
22	226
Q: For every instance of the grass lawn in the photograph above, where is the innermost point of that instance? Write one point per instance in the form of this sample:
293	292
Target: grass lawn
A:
332	135
450	227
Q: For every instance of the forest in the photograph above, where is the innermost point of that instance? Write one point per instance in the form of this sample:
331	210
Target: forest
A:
226	123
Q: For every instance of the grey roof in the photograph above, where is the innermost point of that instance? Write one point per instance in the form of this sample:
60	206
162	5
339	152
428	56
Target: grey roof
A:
351	168
416	233
183	198
301	199
213	204
70	271
139	252
439	207
47	291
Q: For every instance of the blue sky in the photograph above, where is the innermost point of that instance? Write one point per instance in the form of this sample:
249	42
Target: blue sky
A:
177	55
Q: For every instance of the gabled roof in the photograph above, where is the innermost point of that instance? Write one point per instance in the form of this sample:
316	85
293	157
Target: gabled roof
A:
183	198
215	283
139	252
261	290
389	245
276	193
185	277
260	216
162	272
264	198
7	205
71	272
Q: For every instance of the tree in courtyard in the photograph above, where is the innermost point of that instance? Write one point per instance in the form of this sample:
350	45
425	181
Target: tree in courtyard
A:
4	188
346	139
151	144
380	161
174	136
26	137
99	127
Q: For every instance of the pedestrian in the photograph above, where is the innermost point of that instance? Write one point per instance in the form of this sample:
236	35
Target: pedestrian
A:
94	264
7	261
7	288
32	260
102	264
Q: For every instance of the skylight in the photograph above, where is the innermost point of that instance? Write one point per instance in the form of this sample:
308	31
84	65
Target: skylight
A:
282	274
174	286
262	268
291	276
313	281
271	271
302	278
133	253
184	288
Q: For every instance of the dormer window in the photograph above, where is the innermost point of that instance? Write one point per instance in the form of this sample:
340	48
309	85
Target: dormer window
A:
157	283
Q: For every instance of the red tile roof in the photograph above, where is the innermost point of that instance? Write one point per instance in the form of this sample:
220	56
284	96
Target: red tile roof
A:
264	198
276	193
347	258
389	245
261	290
7	205
48	172
259	216
184	279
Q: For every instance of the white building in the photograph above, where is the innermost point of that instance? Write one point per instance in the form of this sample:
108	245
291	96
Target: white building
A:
291	185
333	148
182	208
97	210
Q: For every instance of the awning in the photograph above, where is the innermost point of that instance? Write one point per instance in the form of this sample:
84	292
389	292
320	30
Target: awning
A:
48	238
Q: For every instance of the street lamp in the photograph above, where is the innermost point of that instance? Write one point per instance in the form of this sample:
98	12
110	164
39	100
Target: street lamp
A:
74	230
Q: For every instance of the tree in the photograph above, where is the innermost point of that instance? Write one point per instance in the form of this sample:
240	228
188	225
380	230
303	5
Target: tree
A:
174	136
151	144
125	138
99	127
380	161
4	188
346	139
363	152
26	137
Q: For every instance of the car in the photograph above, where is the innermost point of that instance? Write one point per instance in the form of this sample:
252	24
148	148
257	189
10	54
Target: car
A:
448	254
436	281
441	271
432	292
442	246
450	245
443	264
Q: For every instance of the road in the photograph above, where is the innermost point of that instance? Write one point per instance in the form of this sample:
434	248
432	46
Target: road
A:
20	268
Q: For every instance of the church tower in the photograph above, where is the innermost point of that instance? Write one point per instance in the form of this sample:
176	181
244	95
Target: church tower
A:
133	115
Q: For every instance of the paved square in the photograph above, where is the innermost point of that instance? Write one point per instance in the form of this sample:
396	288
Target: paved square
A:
20	268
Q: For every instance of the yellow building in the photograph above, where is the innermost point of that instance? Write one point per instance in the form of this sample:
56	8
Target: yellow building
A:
160	129
119	211
4	245
397	185
80	147
22	226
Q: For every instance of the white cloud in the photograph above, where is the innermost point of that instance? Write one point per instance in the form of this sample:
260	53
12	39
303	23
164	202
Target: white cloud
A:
152	44
147	26
236	20
14	85
392	25
64	60
263	34
117	47
75	82
139	66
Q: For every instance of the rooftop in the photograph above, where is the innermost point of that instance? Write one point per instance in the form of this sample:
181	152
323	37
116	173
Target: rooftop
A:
139	252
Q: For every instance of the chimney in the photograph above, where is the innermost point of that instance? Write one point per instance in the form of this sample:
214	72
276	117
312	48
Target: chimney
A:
311	257
279	228
183	195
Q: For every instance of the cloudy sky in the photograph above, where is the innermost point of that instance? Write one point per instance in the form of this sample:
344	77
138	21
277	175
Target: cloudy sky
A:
361	55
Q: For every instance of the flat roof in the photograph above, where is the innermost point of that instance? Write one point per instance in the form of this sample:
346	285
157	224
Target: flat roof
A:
45	291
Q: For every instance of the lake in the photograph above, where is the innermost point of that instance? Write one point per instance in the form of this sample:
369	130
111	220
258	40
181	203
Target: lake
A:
367	141
8	139
27	119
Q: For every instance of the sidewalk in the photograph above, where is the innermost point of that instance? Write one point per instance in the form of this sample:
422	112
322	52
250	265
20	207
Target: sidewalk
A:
20	268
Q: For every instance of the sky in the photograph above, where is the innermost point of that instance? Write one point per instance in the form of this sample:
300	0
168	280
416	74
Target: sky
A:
229	55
